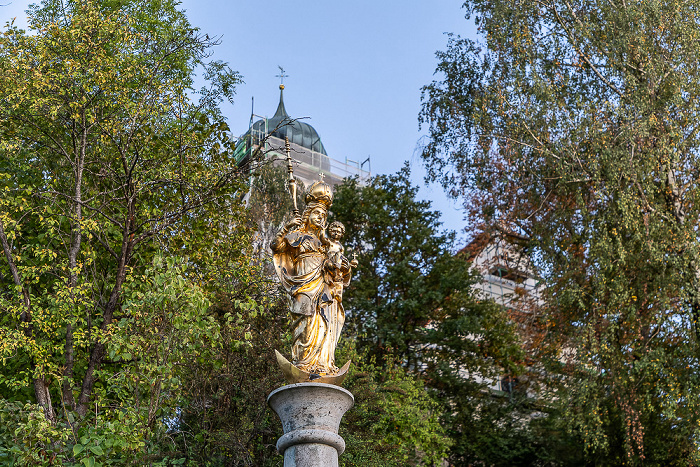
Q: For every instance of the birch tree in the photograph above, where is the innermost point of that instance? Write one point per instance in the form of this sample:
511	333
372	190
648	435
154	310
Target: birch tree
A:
576	124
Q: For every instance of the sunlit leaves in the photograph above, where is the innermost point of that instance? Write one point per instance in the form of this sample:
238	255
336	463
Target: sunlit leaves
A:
575	123
120	211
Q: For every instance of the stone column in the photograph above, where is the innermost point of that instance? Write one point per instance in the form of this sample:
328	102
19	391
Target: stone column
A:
310	415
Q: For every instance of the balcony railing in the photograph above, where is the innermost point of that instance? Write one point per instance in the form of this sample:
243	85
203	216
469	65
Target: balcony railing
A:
309	163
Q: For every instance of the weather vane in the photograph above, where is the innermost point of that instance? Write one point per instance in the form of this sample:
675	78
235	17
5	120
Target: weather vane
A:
282	75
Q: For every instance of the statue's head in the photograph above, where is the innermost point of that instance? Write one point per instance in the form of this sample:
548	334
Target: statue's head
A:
319	198
336	230
315	216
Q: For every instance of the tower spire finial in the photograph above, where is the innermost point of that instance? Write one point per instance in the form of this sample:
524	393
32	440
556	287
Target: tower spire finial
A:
281	76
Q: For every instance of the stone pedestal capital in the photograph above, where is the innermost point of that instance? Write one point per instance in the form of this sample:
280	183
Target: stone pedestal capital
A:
310	415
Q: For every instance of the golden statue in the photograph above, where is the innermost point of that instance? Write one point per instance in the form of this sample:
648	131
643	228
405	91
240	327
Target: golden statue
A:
313	270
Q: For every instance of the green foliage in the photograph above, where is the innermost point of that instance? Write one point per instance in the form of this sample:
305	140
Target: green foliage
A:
22	427
28	438
394	421
411	296
270	205
400	284
223	418
412	300
119	215
506	429
165	324
574	124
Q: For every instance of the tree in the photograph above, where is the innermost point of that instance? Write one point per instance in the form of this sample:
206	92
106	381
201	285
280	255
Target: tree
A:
399	286
225	419
118	189
410	286
270	205
575	124
412	301
395	420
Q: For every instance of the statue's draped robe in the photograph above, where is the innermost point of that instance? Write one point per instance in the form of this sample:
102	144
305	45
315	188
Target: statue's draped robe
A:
316	301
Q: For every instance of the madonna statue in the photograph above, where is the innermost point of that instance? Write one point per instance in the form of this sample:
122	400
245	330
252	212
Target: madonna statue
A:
315	282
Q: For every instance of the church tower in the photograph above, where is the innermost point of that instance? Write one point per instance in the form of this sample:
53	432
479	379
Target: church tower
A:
265	139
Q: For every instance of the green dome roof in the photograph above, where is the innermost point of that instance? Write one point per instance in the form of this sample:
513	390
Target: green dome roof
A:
281	125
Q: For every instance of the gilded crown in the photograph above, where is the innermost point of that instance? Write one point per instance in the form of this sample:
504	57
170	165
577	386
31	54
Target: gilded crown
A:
320	192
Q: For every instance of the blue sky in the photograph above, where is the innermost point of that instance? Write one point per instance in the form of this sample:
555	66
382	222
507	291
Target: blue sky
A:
355	69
